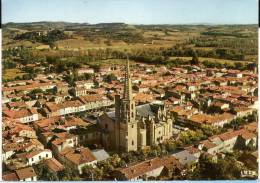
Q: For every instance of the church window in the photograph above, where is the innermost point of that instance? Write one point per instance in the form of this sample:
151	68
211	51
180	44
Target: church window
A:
132	114
132	126
133	142
132	106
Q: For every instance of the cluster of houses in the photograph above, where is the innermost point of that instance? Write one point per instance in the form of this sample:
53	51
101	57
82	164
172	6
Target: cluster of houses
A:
41	122
177	162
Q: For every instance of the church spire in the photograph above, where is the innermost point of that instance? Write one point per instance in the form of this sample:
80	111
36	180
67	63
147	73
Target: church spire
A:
128	82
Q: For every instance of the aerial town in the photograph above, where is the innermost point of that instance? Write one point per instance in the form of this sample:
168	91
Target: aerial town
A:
149	123
140	90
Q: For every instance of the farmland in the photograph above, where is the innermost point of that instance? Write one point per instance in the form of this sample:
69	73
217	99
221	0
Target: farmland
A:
89	44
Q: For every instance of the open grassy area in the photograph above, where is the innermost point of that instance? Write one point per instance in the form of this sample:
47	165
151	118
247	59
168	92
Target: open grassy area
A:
12	73
214	60
144	43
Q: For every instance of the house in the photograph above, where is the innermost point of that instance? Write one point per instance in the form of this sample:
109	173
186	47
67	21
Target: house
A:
23	115
17	105
26	174
35	156
23	174
62	141
12	148
252	127
142	98
59	122
10	176
87	84
243	111
220	105
53	165
95	101
214	120
88	135
13	128
78	158
227	141
148	168
79	91
85	71
15	163
52	109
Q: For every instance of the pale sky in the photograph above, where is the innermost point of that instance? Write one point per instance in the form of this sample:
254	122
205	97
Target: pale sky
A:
132	11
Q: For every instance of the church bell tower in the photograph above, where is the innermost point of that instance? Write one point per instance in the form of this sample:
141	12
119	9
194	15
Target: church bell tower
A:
125	113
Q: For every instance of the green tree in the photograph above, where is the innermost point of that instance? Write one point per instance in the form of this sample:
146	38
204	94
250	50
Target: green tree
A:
195	58
109	78
90	173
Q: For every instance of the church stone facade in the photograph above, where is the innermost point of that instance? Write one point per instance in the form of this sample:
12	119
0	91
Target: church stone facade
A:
132	127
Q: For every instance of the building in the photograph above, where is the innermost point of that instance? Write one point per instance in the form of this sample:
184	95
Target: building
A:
149	168
77	158
36	156
129	129
24	174
23	115
54	165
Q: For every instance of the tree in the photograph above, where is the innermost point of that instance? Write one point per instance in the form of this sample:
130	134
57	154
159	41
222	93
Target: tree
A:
195	58
90	173
250	146
222	169
69	174
44	174
238	65
109	78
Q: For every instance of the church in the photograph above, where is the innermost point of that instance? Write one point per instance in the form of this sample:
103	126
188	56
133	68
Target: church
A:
132	127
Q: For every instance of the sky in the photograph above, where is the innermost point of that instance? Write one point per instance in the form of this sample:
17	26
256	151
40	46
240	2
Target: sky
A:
132	11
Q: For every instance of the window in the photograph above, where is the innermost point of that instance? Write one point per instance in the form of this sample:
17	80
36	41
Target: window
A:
133	142
46	155
32	159
132	126
132	114
106	126
40	157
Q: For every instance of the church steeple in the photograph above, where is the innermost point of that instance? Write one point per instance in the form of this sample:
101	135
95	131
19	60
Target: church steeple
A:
125	113
128	85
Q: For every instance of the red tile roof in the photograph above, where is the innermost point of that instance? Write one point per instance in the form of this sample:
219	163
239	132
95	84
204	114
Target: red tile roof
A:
144	167
80	156
10	177
54	165
25	173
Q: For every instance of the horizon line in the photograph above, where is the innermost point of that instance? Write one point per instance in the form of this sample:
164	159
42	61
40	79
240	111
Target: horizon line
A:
194	23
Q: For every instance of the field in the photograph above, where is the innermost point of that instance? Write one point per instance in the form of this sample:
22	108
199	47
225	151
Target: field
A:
108	43
213	60
10	74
